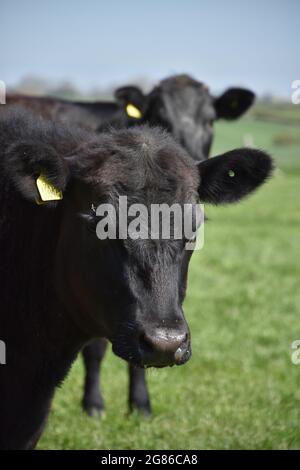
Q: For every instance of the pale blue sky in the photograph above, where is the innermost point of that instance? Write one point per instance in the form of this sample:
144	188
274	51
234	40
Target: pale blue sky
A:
93	43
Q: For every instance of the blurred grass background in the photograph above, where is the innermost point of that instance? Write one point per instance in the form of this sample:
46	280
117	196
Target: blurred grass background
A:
240	389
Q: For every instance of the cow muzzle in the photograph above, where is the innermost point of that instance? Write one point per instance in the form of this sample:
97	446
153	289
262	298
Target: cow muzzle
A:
163	347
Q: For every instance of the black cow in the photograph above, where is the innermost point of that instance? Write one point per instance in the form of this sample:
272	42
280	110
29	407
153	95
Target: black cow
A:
185	108
179	104
60	286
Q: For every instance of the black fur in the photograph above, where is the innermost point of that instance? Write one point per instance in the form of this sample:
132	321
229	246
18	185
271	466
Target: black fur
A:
60	286
186	108
229	179
179	104
233	103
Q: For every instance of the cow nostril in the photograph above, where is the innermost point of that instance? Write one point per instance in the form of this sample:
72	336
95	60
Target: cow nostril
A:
182	354
145	343
186	337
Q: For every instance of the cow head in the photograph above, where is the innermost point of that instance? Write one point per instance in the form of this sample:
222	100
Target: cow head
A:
185	107
129	290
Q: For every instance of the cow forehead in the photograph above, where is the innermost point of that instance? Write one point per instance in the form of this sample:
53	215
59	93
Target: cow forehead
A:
149	184
143	163
180	81
184	95
179	84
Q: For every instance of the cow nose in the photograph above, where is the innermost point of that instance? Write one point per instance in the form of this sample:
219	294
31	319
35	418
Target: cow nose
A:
164	347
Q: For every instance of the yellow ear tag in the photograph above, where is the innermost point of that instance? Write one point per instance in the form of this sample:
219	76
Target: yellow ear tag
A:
133	111
48	192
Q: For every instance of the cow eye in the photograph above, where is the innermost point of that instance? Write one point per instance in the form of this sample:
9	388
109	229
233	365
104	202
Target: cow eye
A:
91	219
92	225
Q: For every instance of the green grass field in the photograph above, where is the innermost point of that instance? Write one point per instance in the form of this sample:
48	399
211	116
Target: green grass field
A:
240	390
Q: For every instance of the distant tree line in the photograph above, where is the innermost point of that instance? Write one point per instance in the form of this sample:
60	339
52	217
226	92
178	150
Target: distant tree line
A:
66	89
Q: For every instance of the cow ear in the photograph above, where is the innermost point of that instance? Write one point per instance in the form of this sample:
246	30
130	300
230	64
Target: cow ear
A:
36	171
233	103
233	175
133	100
